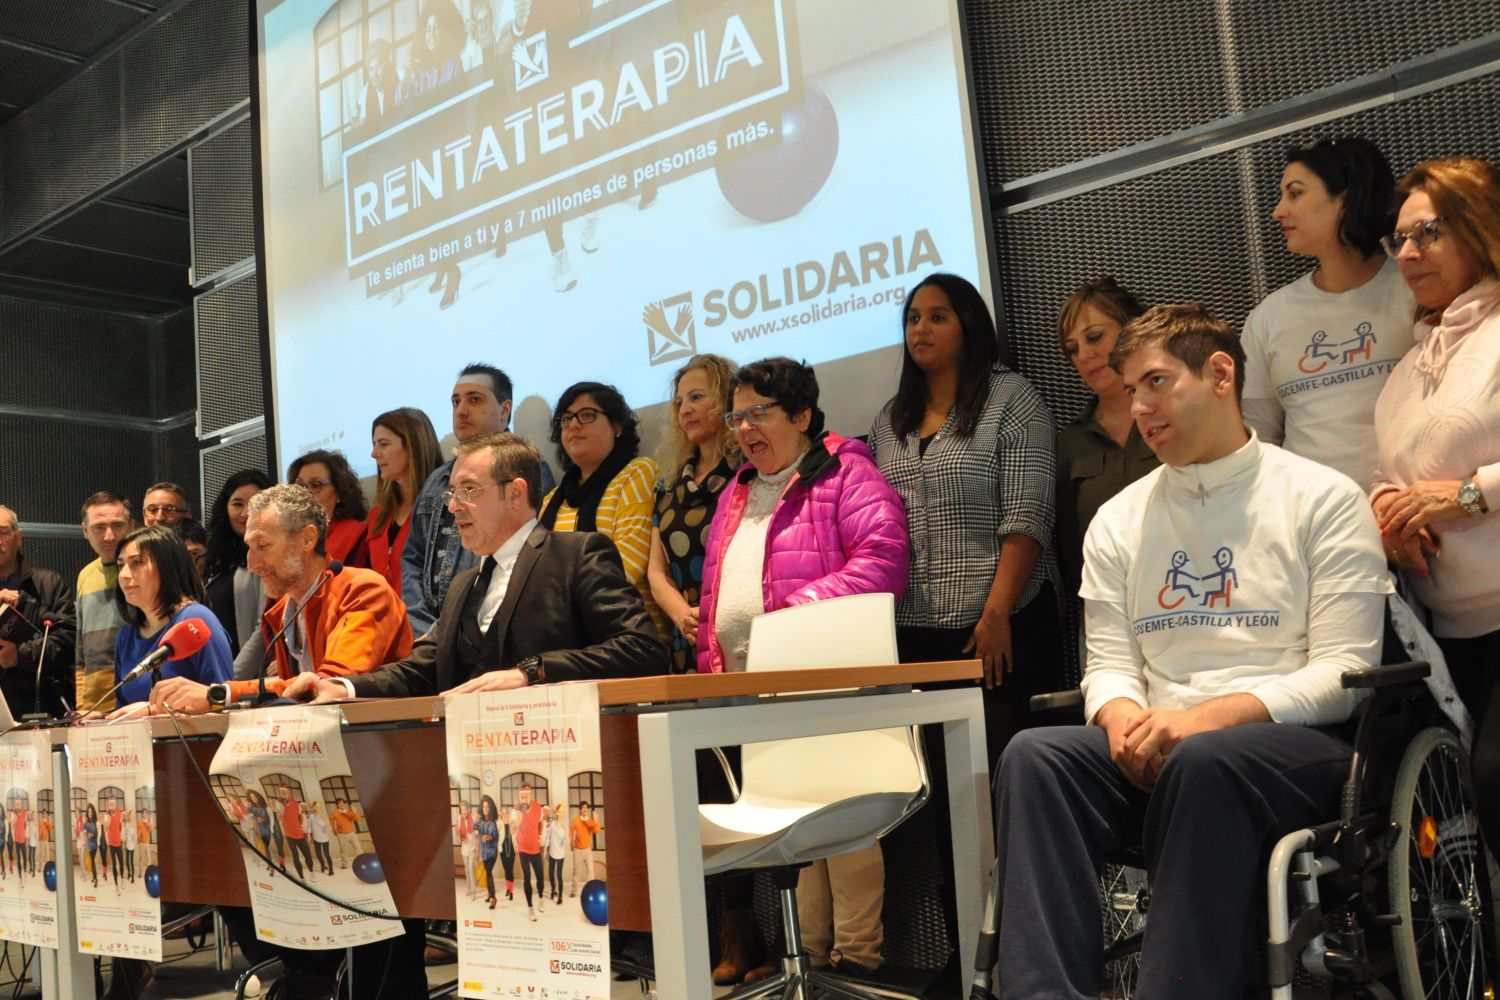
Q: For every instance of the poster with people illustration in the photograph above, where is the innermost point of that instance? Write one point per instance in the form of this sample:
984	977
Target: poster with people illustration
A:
527	804
28	856
116	884
282	778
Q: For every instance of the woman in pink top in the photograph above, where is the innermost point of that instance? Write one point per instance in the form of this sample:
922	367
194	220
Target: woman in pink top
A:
1438	427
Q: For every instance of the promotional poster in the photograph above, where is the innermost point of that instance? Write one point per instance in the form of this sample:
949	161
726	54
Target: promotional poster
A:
28	860
282	777
599	189
527	803
115	875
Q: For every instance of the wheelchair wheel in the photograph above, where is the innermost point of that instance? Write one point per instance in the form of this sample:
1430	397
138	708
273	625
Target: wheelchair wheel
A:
1124	897
1438	876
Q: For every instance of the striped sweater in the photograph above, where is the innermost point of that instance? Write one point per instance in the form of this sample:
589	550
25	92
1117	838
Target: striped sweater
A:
98	622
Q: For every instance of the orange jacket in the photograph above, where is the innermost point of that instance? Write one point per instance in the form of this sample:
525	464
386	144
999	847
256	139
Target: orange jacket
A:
355	624
583	832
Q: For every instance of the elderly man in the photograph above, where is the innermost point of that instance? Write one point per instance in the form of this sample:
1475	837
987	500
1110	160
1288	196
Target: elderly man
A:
106	522
354	622
165	503
1214	711
541	606
39	595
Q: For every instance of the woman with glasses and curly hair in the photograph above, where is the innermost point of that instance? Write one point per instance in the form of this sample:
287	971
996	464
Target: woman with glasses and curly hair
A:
328	477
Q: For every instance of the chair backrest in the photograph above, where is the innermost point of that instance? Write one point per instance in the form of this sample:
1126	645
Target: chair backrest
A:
854	631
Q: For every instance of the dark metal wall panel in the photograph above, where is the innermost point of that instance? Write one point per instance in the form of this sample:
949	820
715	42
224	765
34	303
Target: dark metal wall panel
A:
229	375
176	460
75	359
1060	82
61	463
65	555
174	373
223	212
77	27
218	464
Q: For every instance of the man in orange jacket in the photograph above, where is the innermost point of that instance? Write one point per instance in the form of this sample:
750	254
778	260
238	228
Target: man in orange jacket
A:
351	625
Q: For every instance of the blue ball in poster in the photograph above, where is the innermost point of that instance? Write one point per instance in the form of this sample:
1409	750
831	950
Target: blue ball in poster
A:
153	881
367	868
595	902
49	875
775	180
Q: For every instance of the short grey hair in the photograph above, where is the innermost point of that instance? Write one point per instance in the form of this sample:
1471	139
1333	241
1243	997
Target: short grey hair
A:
295	509
7	514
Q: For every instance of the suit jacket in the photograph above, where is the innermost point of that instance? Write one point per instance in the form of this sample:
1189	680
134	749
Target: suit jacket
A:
44	594
568	601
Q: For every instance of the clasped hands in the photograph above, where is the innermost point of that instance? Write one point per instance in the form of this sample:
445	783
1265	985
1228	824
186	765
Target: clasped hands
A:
1141	739
1407	516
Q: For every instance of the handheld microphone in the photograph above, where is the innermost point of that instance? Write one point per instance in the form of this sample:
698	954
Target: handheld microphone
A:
288	619
181	641
41	658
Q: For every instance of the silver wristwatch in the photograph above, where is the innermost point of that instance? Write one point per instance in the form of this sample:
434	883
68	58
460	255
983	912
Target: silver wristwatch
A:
1470	499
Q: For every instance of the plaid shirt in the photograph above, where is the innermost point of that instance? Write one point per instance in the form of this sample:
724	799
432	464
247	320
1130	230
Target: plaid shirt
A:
966	494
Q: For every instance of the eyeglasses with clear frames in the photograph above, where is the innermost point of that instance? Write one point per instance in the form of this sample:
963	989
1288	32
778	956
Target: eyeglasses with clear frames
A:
1422	236
464	494
163	508
755	414
310	485
586	415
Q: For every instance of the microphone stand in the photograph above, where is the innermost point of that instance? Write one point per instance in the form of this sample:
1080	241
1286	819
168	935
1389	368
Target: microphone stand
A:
36	714
293	608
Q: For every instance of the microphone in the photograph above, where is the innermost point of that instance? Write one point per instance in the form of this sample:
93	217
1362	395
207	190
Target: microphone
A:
41	658
288	619
181	641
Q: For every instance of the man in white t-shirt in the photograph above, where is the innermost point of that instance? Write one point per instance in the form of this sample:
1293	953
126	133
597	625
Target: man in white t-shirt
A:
1226	592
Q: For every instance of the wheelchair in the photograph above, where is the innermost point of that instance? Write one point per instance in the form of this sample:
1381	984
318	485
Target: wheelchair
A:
1391	898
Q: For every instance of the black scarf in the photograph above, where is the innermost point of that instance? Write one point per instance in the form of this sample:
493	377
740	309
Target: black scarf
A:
584	496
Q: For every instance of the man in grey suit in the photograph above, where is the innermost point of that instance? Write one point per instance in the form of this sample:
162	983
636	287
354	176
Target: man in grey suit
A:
541	606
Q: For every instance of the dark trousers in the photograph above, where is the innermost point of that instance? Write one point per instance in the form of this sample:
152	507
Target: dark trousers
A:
555	875
489	876
116	861
531	863
1475	666
325	858
130	864
385	970
300	854
508	864
1062	805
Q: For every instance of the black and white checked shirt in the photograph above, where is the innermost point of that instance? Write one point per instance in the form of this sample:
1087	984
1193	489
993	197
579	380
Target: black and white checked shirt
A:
966	494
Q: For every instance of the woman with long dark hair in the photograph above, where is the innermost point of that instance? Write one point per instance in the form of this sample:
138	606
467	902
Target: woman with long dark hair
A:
489	843
235	594
405	449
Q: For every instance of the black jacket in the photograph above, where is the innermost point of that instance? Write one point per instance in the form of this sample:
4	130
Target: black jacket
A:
44	594
568	601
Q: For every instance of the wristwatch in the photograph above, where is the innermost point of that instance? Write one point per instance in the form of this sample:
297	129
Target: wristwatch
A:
532	668
1470	499
218	695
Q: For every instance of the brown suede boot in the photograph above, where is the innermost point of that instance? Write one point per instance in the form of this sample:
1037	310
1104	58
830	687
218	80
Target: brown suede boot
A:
741	947
771	963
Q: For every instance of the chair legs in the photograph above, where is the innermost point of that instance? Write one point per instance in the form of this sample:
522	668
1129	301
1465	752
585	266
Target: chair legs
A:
798	980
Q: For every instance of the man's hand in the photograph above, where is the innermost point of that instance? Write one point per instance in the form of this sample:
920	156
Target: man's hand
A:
991	644
1115	718
134	710
303	687
492	680
11	597
178	694
9	655
1151	736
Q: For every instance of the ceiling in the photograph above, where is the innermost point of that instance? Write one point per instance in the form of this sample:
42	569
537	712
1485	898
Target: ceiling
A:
127	250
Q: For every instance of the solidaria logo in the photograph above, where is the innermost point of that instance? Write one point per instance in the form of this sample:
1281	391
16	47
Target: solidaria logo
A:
670	323
530	60
559	966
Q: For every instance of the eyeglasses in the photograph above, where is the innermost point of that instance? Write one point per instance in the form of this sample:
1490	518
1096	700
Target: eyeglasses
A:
587	415
163	508
755	414
310	485
1422	236
464	494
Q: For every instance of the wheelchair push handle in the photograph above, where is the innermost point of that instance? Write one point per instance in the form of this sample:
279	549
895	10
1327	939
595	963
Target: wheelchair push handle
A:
1385	675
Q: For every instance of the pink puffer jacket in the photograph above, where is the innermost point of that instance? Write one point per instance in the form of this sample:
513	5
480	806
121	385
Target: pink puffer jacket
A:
839	528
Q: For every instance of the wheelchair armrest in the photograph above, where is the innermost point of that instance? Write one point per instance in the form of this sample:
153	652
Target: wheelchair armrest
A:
1386	674
1057	699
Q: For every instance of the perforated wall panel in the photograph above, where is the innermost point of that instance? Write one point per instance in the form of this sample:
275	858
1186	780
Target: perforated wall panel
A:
223	215
229	376
66	555
218	464
52	466
77	359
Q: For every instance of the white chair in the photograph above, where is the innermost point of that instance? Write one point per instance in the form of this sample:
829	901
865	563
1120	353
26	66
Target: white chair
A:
819	796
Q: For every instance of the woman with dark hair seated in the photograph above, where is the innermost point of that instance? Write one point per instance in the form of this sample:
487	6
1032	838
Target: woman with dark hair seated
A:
806	518
405	449
328	477
607	485
234	593
158	587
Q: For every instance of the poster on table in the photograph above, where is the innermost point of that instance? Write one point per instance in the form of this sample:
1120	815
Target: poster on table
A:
526	800
116	881
28	860
283	779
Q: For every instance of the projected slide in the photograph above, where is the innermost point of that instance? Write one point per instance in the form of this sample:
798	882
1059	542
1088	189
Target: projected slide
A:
597	189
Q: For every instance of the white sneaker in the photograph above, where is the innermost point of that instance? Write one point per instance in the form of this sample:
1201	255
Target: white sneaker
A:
563	278
589	237
531	913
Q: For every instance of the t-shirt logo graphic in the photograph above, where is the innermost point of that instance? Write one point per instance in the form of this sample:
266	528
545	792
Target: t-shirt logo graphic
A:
1319	353
670	333
530	59
1209	589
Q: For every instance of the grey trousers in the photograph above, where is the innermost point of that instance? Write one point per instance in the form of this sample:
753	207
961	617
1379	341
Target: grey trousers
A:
1062	806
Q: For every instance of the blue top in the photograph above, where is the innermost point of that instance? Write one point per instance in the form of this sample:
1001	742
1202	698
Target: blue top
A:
487	835
211	664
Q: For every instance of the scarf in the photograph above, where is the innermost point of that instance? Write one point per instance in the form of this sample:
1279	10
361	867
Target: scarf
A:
583	495
1437	343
